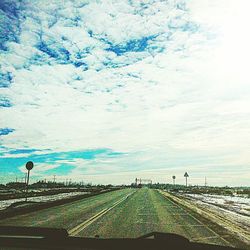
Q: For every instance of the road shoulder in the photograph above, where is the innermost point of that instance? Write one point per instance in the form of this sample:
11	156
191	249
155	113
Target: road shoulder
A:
235	235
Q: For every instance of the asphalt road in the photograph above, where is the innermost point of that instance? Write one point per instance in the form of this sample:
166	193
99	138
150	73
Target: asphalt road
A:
147	210
122	213
69	215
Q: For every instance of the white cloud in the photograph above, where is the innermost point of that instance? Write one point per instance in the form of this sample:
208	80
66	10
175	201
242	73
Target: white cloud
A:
187	92
40	168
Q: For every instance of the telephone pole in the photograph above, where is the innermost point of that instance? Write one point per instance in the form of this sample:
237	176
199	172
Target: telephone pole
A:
25	178
54	180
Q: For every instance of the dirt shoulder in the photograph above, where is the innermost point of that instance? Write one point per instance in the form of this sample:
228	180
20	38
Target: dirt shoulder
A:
213	215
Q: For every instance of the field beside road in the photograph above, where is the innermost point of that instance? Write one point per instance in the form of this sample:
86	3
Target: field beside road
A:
128	213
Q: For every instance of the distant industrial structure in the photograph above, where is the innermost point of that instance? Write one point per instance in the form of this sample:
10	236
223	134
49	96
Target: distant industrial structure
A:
140	182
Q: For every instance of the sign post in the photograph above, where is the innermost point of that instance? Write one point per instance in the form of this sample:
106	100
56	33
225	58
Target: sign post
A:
174	179
29	166
186	176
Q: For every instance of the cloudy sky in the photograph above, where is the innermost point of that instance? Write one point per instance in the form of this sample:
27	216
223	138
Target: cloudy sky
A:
106	91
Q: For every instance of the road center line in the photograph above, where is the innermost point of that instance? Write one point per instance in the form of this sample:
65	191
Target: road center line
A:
74	231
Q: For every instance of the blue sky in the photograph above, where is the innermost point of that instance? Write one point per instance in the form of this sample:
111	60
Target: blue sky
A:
106	91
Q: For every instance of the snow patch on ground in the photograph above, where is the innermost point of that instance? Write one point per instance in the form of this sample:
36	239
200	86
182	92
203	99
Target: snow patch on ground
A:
6	203
236	204
235	208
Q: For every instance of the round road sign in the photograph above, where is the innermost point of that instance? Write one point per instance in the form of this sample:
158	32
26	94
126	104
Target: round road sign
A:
29	165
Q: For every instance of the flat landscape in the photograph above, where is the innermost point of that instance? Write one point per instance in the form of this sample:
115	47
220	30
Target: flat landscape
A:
127	213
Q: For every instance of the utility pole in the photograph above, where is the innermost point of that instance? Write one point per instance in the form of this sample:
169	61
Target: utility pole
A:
25	178
205	181
54	181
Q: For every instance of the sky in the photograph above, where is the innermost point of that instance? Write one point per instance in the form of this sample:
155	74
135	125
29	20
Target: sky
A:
107	91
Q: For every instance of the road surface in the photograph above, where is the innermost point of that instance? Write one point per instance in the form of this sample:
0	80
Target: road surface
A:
123	213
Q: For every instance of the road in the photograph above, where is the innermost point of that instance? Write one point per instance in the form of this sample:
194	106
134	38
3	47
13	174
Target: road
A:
123	213
69	215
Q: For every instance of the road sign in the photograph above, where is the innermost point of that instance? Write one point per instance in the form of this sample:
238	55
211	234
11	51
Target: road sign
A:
29	165
186	176
173	179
